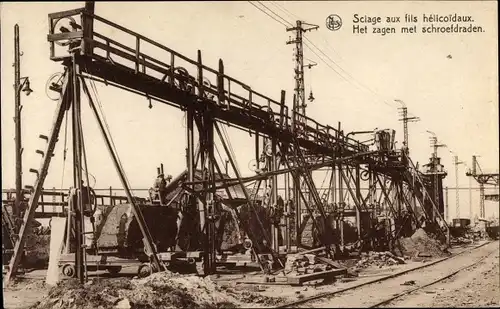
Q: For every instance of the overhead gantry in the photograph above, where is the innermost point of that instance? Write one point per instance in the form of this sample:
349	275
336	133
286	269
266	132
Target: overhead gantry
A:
288	145
483	179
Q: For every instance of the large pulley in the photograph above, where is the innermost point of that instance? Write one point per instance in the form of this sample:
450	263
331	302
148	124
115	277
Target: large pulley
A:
53	86
64	25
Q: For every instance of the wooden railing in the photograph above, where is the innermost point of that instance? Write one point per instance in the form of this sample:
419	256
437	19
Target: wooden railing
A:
55	201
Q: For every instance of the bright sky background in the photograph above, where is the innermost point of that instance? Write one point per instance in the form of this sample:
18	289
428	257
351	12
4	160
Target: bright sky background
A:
456	98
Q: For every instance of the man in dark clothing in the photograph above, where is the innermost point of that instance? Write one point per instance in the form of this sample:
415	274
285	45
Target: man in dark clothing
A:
159	187
88	195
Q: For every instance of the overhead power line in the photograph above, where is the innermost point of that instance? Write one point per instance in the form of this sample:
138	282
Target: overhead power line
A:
268	14
348	74
283	9
277	15
356	82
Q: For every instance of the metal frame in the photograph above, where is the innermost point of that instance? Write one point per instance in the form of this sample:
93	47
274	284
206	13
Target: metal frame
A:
298	148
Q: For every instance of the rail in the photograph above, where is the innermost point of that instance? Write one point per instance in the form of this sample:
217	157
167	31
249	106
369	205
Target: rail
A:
327	295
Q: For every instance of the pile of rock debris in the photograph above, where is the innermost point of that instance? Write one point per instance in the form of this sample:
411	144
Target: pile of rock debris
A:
379	259
420	244
159	290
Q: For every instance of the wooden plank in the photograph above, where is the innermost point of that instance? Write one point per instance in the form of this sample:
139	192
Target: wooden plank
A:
299	280
311	251
64	36
329	262
61	14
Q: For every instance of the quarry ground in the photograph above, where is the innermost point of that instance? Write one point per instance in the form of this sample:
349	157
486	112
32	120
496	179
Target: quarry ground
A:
476	286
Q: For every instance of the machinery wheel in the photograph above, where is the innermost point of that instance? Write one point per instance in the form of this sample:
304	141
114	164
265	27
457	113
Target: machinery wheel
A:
69	270
114	269
247	244
144	270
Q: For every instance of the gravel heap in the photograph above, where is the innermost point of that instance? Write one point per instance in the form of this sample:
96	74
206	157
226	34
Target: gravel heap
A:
379	259
421	244
160	290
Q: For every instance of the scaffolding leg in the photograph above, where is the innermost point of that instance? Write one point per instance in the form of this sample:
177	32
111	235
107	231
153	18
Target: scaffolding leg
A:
33	201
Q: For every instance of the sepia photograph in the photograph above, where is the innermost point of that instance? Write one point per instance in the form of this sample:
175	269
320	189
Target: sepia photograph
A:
250	154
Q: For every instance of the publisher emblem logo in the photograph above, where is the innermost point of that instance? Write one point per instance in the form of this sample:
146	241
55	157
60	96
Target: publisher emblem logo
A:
334	22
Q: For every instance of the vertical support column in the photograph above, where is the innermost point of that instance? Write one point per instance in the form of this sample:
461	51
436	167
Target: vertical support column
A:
446	205
213	205
371	192
207	206
190	144
88	26
481	200
470	199
372	207
221	98
341	205
257	151
298	206
333	200
77	169
359	198
274	194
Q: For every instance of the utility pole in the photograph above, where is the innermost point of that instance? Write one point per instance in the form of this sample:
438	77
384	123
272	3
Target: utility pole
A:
299	102
405	119
17	120
457	195
20	84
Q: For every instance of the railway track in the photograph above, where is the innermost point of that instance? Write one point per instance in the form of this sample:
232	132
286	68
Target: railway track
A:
327	295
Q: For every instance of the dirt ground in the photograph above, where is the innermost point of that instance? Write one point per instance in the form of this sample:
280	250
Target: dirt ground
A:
476	286
451	293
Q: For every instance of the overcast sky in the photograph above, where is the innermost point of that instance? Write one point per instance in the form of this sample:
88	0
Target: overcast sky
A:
450	81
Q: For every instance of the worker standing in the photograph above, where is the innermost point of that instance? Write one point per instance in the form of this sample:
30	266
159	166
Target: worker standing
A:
88	195
159	186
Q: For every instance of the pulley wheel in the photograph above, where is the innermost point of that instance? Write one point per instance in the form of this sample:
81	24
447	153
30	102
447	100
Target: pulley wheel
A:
247	244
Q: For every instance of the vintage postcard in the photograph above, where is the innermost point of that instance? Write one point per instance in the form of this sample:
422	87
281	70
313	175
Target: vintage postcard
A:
235	154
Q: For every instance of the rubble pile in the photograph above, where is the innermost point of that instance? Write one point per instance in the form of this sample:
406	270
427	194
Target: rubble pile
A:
300	264
37	247
420	244
379	259
461	240
160	290
467	237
